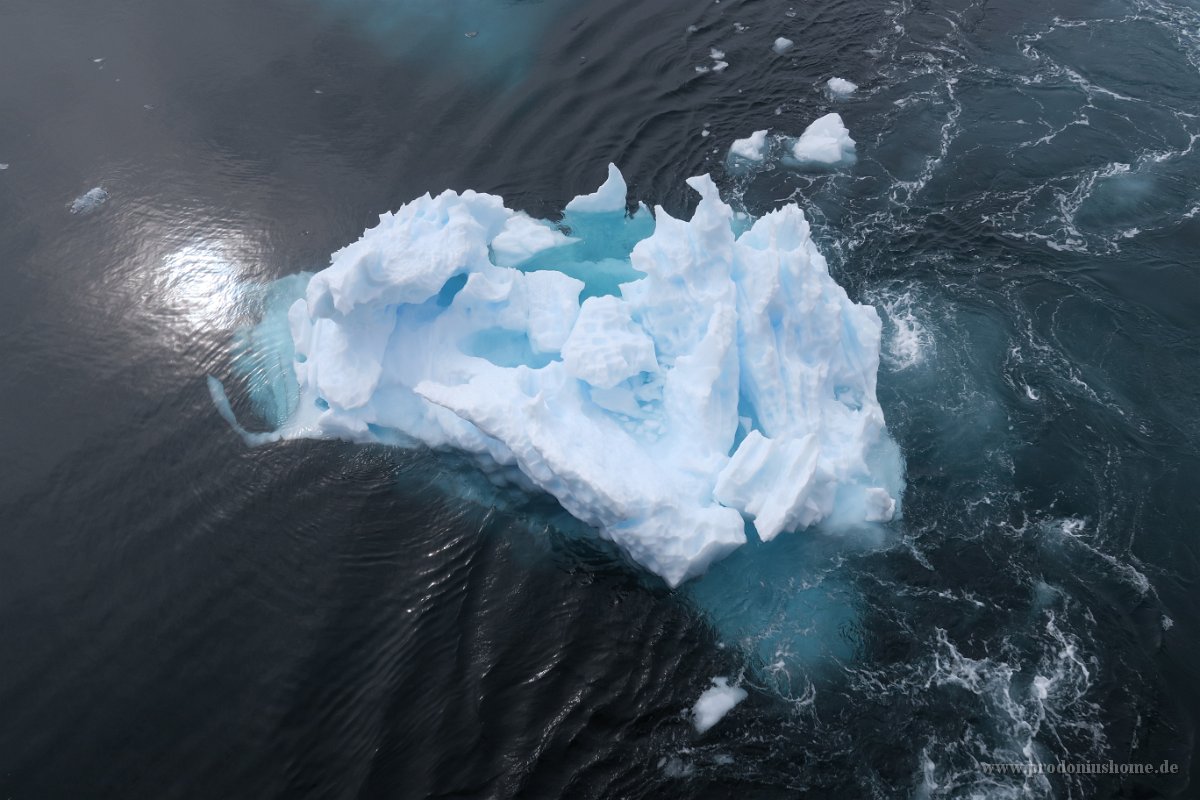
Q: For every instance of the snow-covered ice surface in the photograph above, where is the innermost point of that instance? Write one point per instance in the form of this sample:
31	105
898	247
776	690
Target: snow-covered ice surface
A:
665	380
712	706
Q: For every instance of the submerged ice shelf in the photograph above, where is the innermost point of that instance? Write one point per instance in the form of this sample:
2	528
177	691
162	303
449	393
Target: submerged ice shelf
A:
665	380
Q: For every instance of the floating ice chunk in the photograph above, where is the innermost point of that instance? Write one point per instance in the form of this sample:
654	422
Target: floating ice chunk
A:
623	404
782	45
719	64
826	141
840	87
752	148
715	703
3	167
89	201
609	197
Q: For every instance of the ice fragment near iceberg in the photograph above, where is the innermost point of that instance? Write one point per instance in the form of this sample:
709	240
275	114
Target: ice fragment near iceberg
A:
752	148
840	87
825	141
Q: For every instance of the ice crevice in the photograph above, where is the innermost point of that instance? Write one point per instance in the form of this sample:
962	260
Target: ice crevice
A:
666	380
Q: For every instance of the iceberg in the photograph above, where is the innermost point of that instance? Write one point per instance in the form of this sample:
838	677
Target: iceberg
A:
825	141
671	383
782	45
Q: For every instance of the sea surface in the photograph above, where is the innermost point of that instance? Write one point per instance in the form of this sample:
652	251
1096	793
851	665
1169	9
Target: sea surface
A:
184	616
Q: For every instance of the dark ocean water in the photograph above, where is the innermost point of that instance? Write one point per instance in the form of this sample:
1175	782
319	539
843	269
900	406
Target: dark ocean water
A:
186	617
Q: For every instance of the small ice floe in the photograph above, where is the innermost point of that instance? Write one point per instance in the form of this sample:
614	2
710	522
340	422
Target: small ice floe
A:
752	148
826	141
719	64
782	45
840	87
715	703
471	34
89	201
3	167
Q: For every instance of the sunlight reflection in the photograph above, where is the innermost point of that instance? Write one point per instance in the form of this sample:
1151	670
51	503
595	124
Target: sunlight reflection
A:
201	282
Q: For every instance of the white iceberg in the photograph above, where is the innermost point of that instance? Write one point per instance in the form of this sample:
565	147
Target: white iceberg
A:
825	141
752	148
715	703
676	384
782	45
840	87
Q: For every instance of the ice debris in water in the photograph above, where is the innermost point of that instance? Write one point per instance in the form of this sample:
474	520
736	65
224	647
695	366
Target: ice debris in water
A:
826	141
752	148
782	45
3	167
719	63
715	703
89	201
681	378
676	767
840	87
